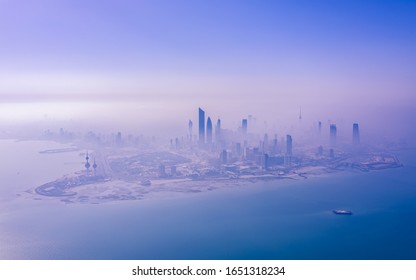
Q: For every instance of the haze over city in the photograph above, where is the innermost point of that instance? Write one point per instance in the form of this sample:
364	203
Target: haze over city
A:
181	129
143	66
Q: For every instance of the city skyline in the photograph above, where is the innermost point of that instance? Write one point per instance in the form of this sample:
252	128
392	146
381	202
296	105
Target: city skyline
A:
103	62
208	130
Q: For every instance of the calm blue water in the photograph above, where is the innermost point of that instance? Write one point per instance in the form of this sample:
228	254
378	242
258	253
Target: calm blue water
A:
273	220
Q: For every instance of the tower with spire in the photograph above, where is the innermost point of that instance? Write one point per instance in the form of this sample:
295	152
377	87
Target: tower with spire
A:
95	167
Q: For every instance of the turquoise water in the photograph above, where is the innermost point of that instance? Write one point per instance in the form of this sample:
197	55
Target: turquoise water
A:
268	220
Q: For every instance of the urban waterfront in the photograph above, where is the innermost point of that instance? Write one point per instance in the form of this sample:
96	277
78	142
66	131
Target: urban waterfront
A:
283	219
207	130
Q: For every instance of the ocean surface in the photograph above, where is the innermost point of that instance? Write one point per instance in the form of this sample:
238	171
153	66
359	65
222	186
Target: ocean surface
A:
284	219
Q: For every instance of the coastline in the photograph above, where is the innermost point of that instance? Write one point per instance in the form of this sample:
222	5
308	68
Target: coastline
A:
79	188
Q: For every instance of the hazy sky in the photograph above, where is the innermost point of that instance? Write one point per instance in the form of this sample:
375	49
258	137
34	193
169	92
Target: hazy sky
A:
129	60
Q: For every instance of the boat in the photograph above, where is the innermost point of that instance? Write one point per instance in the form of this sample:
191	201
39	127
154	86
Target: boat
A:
342	212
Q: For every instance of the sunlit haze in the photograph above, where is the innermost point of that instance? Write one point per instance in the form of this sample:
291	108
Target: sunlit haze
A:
136	64
207	130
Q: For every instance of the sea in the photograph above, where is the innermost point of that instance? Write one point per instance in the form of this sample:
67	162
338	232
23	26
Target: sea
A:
282	219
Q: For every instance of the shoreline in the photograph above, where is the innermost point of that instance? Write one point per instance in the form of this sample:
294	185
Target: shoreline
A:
78	188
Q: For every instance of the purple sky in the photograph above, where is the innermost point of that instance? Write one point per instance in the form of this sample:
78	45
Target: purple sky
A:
141	60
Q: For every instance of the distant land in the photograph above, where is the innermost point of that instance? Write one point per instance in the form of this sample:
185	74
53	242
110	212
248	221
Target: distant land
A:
132	168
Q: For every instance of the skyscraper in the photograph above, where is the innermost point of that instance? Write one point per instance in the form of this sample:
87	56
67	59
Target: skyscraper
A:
190	125
218	131
355	134
244	127
288	145
333	134
201	126
209	131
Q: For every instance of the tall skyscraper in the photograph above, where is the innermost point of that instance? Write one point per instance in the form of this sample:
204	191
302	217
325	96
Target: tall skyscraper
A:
244	127
209	131
190	125
333	134
218	131
201	126
288	145
355	134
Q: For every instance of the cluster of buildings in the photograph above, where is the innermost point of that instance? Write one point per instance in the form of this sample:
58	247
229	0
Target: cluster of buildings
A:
242	147
214	150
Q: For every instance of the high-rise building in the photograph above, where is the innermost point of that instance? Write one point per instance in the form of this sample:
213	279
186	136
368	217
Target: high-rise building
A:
201	126
355	134
333	134
288	145
218	131
209	131
190	125
244	127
